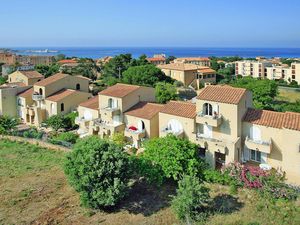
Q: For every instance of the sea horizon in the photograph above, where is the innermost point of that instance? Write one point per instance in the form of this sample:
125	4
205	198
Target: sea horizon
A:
99	52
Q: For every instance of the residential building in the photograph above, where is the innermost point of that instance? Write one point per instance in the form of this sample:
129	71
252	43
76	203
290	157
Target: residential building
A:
7	58
189	74
56	95
256	69
222	122
199	61
8	98
34	59
26	77
157	60
295	74
277	72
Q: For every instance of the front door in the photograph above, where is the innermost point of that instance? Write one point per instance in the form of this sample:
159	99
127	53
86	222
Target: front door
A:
219	160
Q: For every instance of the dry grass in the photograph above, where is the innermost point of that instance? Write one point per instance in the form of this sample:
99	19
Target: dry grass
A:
288	95
34	190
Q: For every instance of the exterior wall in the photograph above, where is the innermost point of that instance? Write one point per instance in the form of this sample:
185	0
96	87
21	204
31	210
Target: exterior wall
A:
191	61
133	121
186	77
7	58
70	104
19	77
284	150
8	100
295	73
68	82
278	72
188	125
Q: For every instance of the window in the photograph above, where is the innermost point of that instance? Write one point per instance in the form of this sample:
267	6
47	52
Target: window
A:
41	91
207	109
255	156
19	102
293	76
62	107
202	152
77	86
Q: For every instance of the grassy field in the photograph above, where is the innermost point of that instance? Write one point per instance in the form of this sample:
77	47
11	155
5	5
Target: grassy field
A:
33	190
288	95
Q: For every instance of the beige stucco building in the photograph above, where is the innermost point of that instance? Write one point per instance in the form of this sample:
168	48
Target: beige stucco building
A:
200	61
221	121
189	74
56	95
252	68
26	77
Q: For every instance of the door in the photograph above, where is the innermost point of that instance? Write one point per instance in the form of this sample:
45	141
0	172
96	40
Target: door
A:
255	133
87	115
141	125
207	130
219	160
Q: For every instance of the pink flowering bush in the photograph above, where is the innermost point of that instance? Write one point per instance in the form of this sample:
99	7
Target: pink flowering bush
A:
252	177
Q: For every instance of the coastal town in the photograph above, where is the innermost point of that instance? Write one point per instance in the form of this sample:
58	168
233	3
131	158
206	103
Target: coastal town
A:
59	100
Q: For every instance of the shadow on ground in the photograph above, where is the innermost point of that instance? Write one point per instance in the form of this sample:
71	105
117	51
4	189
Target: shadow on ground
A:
226	204
145	199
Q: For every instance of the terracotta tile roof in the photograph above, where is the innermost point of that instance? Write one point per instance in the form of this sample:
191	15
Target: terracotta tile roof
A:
66	61
32	74
92	103
206	70
145	110
179	66
194	58
292	121
26	93
12	84
288	120
119	90
265	118
179	108
223	94
51	79
154	59
60	95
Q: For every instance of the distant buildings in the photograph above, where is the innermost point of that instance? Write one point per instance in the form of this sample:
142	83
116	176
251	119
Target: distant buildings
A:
189	74
158	59
200	61
268	69
11	59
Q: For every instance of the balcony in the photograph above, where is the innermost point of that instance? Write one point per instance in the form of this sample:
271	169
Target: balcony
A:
259	145
217	145
109	111
103	125
135	134
165	131
37	97
214	121
81	121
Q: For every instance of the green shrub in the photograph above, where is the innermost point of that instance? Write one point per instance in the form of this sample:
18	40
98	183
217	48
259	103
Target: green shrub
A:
175	157
99	170
59	122
70	137
191	199
8	124
214	176
33	133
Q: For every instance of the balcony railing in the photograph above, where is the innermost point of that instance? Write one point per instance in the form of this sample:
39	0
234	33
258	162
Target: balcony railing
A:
260	145
214	120
137	134
37	97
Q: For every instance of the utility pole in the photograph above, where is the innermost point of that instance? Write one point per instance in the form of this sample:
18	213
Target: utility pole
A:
119	68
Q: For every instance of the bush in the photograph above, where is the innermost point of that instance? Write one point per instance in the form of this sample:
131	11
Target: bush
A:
165	92
59	122
33	133
145	168
214	176
99	170
66	137
8	124
174	156
191	199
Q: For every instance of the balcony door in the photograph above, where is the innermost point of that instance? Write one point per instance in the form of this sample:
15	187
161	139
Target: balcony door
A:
255	133
207	130
87	115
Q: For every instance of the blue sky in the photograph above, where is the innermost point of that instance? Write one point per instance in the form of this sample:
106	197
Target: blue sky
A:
218	23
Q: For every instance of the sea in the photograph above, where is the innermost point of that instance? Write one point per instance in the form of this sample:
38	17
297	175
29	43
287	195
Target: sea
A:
99	52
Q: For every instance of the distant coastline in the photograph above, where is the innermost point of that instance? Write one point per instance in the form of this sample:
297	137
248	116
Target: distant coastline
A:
98	52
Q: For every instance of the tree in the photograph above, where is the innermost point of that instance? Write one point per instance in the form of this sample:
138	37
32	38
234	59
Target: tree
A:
46	70
264	91
170	59
174	156
141	61
57	122
191	199
146	75
99	170
165	92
